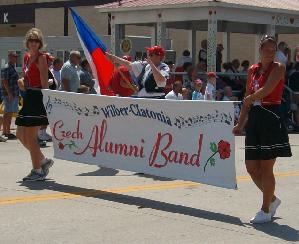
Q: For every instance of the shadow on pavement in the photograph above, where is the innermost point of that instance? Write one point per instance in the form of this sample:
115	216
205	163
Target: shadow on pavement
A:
139	202
153	177
102	171
283	232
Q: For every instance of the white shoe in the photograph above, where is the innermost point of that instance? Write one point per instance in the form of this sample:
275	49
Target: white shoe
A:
3	138
274	205
261	217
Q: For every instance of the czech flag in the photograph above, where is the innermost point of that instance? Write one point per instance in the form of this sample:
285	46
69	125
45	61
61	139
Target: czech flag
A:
94	50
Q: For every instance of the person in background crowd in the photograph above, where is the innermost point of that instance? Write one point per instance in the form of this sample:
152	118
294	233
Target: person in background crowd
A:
85	75
186	58
11	92
33	113
83	89
56	71
244	70
2	138
228	93
189	79
237	109
294	79
202	56
53	84
187	67
171	80
202	68
219	57
70	80
210	92
152	75
185	93
283	54
266	133
176	93
245	66
121	82
237	82
197	93
294	85
43	136
219	95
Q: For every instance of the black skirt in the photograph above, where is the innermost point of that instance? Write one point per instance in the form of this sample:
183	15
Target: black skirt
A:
266	134
33	112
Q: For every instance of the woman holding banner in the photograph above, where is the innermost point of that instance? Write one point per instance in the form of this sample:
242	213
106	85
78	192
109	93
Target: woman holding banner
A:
33	114
266	134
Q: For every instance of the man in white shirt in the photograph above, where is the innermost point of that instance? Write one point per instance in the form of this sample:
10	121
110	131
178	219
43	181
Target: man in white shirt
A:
152	74
283	54
55	70
176	93
210	93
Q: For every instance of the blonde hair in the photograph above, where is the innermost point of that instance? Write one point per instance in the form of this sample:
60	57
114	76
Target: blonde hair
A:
34	34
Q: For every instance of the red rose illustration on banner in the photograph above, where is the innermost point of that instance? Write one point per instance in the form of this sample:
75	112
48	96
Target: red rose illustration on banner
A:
223	149
61	146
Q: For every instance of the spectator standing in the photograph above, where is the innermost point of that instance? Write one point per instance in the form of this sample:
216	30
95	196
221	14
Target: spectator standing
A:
175	94
219	57
70	80
189	78
245	66
236	82
10	89
85	75
294	85
186	58
283	54
294	79
56	71
197	93
210	92
171	80
152	74
2	138
202	56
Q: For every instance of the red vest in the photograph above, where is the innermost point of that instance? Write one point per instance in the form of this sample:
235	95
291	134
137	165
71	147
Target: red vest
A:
274	98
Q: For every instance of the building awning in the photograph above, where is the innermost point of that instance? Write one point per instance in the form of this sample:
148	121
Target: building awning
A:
281	6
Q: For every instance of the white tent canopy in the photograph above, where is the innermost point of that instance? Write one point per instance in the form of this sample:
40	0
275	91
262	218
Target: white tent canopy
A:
229	16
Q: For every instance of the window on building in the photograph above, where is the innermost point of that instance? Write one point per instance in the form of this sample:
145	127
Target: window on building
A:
60	55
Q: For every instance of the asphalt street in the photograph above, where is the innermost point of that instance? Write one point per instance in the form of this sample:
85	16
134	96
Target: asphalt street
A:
82	203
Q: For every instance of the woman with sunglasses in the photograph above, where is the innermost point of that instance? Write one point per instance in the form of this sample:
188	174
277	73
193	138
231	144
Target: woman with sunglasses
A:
33	114
266	134
151	75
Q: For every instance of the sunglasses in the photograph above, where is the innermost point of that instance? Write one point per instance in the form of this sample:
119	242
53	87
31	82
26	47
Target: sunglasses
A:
34	40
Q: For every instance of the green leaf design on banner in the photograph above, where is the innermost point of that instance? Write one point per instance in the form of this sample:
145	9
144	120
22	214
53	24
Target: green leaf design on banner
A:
213	147
212	161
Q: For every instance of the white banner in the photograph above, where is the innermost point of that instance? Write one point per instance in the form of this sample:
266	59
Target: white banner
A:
187	140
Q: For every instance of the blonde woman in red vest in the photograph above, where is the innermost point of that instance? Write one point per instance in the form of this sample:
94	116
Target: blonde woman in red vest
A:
266	134
33	114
